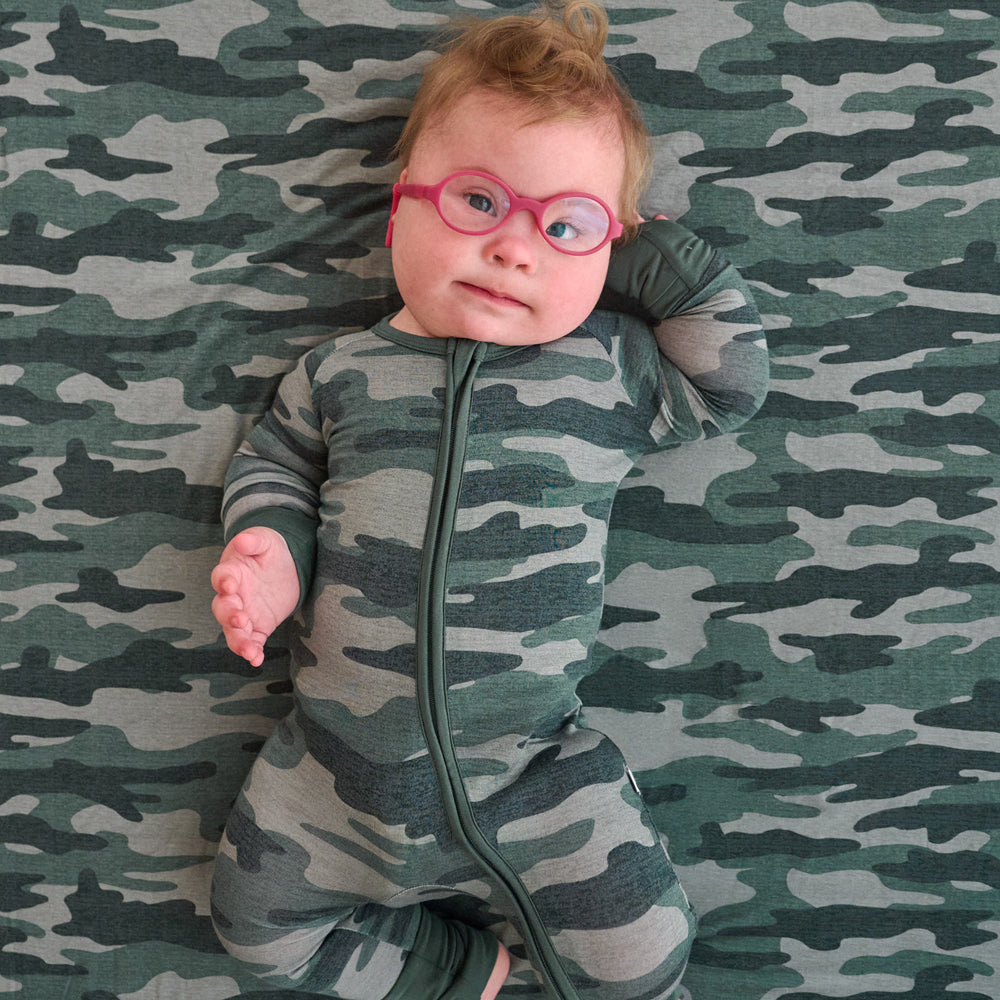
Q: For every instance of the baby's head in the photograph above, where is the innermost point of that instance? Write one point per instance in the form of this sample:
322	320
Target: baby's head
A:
549	65
522	160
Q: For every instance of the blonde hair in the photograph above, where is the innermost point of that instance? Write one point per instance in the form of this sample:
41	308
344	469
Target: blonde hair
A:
552	63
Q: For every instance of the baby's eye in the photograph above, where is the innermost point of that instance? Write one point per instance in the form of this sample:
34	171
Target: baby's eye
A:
576	223
480	203
562	231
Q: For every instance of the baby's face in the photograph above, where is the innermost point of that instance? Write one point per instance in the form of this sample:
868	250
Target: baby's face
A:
508	286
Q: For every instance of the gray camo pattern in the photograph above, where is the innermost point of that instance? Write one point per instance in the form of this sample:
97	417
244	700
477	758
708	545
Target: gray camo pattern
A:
800	643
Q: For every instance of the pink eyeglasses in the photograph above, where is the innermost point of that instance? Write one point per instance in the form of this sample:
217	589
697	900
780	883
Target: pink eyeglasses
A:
475	203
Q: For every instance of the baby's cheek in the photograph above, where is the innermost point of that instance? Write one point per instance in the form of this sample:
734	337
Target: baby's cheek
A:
579	294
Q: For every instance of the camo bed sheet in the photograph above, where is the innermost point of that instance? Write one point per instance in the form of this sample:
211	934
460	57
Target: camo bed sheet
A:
800	652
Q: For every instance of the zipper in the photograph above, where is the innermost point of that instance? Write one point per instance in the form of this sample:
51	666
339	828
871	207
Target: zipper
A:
462	361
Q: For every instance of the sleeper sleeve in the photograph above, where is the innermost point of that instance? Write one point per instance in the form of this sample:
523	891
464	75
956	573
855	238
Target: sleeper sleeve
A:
714	365
275	477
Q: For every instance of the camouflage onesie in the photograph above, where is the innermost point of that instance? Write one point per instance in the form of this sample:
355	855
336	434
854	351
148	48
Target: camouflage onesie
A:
447	502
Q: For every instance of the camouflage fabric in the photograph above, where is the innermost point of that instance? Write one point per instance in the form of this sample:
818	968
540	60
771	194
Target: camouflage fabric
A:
195	193
447	502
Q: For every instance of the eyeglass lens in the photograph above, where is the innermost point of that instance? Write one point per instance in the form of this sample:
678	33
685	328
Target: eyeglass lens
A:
474	204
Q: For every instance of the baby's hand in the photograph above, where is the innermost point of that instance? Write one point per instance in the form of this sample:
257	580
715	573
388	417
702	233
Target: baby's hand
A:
257	588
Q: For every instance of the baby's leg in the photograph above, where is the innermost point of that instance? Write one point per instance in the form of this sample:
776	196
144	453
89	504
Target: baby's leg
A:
614	955
364	952
587	852
300	889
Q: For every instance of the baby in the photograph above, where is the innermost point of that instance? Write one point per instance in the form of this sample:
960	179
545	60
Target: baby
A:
432	497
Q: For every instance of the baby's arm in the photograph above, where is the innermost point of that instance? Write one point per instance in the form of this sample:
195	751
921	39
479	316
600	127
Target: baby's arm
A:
270	516
257	587
714	363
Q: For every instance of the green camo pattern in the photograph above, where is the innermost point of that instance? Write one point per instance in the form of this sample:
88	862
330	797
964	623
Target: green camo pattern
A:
801	651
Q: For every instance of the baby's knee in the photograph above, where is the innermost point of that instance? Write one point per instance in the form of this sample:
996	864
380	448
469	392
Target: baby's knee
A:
240	912
646	957
285	958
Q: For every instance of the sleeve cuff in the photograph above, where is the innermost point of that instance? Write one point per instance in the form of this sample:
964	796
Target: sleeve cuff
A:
653	275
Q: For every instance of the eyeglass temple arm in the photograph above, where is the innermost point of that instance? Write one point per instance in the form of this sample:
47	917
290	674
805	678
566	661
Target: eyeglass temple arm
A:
398	190
396	194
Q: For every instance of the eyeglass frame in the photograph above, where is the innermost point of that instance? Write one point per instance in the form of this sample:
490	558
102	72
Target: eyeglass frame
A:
432	193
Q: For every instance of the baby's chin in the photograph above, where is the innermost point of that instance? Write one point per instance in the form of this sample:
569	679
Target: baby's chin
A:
512	335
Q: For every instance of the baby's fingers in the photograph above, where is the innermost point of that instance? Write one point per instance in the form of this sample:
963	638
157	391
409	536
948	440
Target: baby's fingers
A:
241	637
252	542
251	650
225	578
254	655
229	613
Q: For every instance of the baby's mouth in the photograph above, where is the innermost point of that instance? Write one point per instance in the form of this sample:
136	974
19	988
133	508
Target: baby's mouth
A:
493	295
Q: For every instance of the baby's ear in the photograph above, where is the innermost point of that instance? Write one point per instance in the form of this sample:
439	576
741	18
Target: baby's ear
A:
402	176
